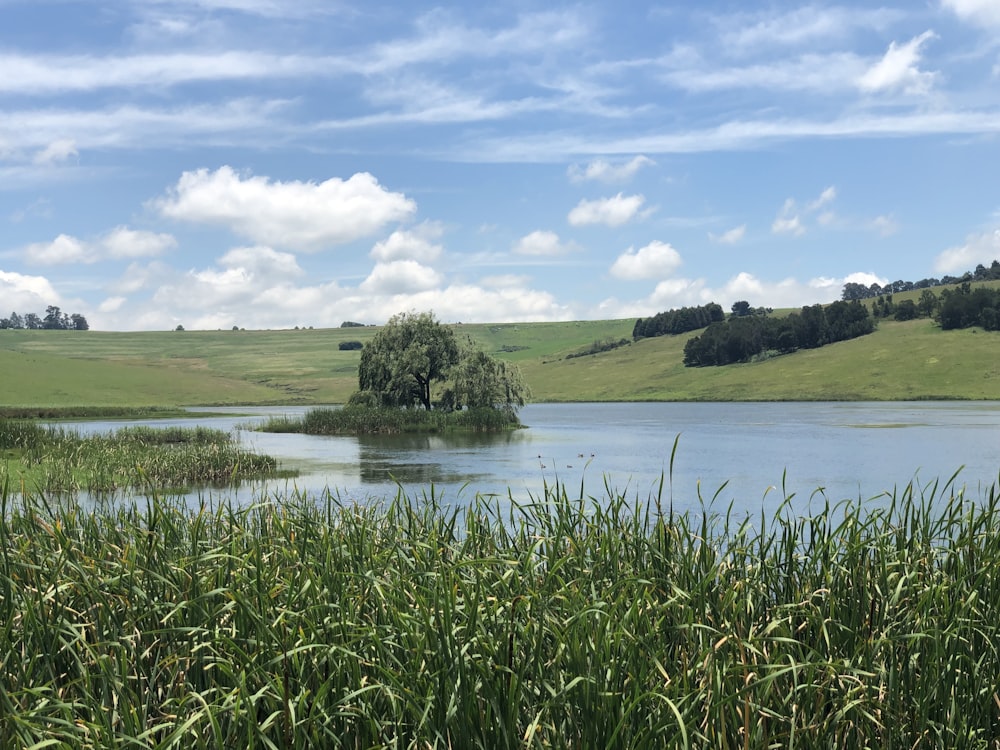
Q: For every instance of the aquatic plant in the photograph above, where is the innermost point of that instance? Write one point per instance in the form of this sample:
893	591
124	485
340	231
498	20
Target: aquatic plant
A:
60	459
366	420
564	622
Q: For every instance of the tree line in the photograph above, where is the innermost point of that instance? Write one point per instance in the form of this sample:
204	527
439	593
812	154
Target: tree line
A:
682	320
745	337
964	307
855	291
53	320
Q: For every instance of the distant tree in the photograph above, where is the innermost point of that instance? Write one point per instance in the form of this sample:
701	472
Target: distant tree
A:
742	308
54	319
351	324
79	323
853	291
907	310
346	346
179	327
15	321
32	322
927	304
405	358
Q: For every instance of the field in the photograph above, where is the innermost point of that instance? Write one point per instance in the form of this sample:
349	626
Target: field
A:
900	361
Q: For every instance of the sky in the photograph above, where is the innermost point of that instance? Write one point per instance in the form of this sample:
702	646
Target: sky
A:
273	164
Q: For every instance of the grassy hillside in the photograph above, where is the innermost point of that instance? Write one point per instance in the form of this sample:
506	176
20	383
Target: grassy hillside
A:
900	361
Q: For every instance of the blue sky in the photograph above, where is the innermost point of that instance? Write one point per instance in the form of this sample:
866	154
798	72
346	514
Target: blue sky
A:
271	164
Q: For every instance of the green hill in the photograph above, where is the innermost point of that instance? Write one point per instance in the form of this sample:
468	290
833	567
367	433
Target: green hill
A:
900	361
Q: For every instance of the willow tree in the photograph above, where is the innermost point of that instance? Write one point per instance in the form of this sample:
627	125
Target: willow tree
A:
479	380
402	361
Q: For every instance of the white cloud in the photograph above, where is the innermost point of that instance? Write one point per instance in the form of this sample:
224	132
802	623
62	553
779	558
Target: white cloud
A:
653	261
614	211
978	248
791	221
413	244
120	243
865	278
262	263
63	249
138	276
57	152
885	225
505	281
680	292
815	73
788	221
24	294
400	277
730	236
899	69
806	25
111	304
983	12
305	216
827	196
605	171
37	75
541	242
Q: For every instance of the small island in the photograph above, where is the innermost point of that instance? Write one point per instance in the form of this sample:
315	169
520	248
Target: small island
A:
399	368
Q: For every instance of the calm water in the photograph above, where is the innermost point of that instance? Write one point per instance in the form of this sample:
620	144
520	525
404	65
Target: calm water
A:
841	450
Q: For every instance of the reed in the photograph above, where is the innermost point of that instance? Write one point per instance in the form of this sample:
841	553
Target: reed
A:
56	459
563	622
365	420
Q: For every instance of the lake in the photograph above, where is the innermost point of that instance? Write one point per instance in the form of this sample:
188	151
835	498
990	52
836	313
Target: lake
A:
818	450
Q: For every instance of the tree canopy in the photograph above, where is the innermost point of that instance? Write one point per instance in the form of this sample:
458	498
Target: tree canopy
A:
405	357
414	351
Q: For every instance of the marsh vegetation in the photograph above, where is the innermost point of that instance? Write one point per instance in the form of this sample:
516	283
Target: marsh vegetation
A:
58	459
569	621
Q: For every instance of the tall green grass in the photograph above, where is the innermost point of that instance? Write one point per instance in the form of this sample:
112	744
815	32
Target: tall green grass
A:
565	622
366	420
57	459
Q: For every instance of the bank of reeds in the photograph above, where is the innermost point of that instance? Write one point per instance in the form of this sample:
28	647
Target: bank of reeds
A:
367	420
563	623
57	459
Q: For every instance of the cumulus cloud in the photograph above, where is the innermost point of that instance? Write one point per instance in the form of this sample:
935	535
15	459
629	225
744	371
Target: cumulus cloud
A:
540	243
653	261
605	171
400	277
613	212
24	294
304	216
899	70
118	244
978	248
262	262
122	242
412	244
983	12
730	236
